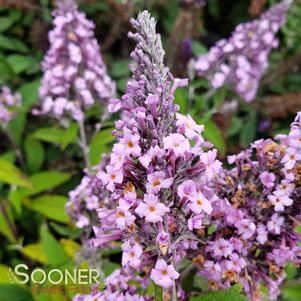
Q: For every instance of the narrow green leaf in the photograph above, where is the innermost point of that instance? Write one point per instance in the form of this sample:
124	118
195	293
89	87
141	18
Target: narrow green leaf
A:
5	228
43	181
52	248
214	135
231	294
29	93
10	174
120	68
17	127
181	99
6	72
99	145
5	23
52	206
19	63
14	292
9	43
35	252
35	154
52	135
158	293
248	133
69	135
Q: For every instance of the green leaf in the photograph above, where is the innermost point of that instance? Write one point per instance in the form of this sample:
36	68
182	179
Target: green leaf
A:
231	294
292	292
248	132
35	154
52	206
52	135
29	93
35	252
99	145
120	68
17	127
6	72
57	135
69	135
4	274
214	135
13	44
5	229
43	181
14	292
158	293
9	43
52	248
10	174
235	127
66	231
109	267
198	48
5	23
19	63
181	99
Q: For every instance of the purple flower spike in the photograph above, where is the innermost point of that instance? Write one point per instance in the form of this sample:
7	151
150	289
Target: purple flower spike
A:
240	61
75	75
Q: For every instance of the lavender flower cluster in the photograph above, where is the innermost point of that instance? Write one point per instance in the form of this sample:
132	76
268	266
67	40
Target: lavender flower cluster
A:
159	169
87	197
8	102
74	72
118	287
240	61
257	238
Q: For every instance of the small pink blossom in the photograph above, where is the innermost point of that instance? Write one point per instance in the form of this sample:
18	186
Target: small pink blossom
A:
82	221
163	274
124	217
187	189
177	143
274	225
279	199
246	228
131	143
267	179
156	181
111	177
188	127
131	254
151	209
195	222
292	155
262	234
200	203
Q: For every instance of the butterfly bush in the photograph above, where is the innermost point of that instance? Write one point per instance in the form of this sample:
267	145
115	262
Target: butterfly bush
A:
258	238
8	101
241	60
159	172
75	75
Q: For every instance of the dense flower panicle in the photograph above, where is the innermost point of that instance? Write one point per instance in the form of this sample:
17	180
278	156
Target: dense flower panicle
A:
118	287
159	169
240	61
8	102
258	239
75	76
88	197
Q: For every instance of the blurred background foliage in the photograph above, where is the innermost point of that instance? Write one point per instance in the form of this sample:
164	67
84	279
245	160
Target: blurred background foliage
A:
40	161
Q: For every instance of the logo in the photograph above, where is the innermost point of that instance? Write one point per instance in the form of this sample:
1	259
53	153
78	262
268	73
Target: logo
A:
22	275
